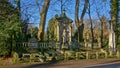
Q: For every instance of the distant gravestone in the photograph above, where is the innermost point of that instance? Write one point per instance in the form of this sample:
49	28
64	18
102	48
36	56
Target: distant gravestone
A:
88	43
33	43
99	42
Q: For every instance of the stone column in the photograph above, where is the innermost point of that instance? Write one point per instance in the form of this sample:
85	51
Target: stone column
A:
112	45
58	31
85	42
63	42
70	33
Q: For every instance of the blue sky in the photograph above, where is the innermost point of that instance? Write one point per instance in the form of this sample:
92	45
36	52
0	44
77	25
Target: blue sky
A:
54	8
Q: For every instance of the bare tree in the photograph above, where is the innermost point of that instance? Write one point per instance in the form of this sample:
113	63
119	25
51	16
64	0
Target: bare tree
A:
43	14
91	28
101	27
79	21
99	8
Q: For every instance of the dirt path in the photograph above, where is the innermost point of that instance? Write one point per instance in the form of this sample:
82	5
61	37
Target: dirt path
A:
68	64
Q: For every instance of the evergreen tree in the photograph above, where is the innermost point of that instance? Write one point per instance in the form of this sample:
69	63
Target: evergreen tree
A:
114	17
9	27
52	29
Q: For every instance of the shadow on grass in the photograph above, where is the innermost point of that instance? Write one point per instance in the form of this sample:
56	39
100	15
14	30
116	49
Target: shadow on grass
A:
43	65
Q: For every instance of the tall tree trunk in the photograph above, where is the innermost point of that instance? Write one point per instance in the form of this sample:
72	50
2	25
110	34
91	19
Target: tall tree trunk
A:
84	10
43	20
101	20
92	32
11	46
102	34
77	12
79	22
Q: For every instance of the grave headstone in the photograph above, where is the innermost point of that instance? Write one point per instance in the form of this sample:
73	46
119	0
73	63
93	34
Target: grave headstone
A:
33	43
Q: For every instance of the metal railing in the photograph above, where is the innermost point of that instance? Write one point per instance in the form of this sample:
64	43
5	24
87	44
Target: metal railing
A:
89	53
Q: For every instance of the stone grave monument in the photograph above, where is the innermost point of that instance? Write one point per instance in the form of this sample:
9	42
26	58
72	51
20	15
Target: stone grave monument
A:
33	43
